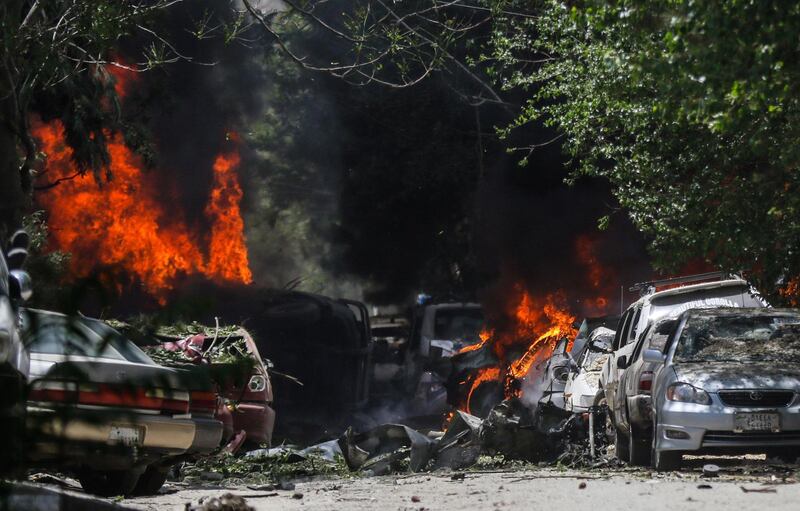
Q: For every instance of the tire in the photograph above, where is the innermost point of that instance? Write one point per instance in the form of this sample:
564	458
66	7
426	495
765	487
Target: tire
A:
109	483
621	444
151	481
787	455
664	461
639	448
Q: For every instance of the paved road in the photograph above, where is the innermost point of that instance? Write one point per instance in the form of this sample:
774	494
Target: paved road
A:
547	489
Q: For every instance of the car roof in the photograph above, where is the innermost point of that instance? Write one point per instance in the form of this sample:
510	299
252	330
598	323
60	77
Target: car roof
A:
740	311
690	288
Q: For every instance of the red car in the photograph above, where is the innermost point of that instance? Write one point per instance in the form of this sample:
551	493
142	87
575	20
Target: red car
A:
245	388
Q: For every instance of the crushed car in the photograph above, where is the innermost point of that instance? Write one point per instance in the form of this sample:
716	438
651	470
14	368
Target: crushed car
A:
100	407
242	397
729	384
582	389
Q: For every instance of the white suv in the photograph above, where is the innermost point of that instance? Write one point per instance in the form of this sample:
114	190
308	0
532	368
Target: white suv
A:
655	305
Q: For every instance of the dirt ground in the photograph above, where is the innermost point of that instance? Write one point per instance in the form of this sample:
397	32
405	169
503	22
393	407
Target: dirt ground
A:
741	485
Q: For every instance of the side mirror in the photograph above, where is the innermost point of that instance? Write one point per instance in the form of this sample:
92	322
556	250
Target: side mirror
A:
21	287
20	239
654	356
16	258
622	362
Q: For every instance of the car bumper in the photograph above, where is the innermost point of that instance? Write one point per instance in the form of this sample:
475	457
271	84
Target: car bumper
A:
711	427
87	433
207	435
256	419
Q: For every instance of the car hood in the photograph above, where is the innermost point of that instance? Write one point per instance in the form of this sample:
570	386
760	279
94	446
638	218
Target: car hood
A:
714	376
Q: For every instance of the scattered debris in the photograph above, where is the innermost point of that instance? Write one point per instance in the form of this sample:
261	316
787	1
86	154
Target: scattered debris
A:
414	498
297	496
225	502
710	470
582	485
703	486
758	490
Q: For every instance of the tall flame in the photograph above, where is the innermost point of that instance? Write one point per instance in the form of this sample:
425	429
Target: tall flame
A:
122	224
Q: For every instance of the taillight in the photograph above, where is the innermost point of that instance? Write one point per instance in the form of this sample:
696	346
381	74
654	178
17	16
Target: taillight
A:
257	383
53	392
645	382
163	400
202	402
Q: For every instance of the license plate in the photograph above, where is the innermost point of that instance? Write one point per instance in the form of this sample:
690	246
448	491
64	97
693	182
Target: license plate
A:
126	435
756	422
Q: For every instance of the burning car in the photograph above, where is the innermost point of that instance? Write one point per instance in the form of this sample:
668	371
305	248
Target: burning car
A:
583	382
99	406
730	383
439	331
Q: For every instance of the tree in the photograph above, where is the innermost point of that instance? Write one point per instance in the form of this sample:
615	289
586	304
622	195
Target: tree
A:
690	109
54	63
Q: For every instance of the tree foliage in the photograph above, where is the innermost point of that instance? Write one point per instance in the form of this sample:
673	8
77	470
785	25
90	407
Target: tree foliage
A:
689	108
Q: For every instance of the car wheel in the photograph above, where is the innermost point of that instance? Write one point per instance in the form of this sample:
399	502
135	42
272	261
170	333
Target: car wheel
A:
639	448
664	461
621	444
109	483
151	481
785	455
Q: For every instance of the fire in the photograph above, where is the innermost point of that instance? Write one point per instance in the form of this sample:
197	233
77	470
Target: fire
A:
227	250
121	223
533	326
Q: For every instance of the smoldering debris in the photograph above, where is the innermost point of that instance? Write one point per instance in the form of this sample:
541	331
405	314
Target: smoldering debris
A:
511	430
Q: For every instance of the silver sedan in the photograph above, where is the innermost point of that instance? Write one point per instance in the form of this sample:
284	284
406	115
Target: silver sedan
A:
729	384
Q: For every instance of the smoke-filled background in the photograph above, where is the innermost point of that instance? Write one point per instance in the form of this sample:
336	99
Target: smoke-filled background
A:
368	192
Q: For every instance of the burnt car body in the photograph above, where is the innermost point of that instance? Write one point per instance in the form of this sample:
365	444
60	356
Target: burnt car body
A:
440	331
634	415
729	384
583	382
99	406
325	344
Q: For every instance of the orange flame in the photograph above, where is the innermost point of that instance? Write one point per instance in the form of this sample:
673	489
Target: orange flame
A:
122	224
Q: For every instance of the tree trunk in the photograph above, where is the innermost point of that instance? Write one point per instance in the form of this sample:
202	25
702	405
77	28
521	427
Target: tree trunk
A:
14	199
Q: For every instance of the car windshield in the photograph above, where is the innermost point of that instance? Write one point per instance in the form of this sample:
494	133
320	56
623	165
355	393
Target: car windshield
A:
118	342
464	324
3	275
742	338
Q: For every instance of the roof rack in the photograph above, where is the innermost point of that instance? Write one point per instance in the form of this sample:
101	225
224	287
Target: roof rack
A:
646	288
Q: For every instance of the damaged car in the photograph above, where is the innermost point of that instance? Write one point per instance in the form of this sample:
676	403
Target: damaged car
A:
729	384
582	388
634	416
663	299
100	407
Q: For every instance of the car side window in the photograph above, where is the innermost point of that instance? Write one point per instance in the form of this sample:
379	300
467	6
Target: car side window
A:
633	326
3	276
621	329
639	345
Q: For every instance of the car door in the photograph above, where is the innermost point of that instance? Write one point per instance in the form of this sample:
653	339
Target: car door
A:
629	380
609	375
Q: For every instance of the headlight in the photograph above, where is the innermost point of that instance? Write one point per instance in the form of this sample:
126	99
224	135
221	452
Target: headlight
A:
685	393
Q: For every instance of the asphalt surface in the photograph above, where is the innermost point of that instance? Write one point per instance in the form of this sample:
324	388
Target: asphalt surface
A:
741	484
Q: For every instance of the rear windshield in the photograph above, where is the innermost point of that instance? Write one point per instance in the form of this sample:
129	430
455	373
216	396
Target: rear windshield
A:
464	324
745	338
61	335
